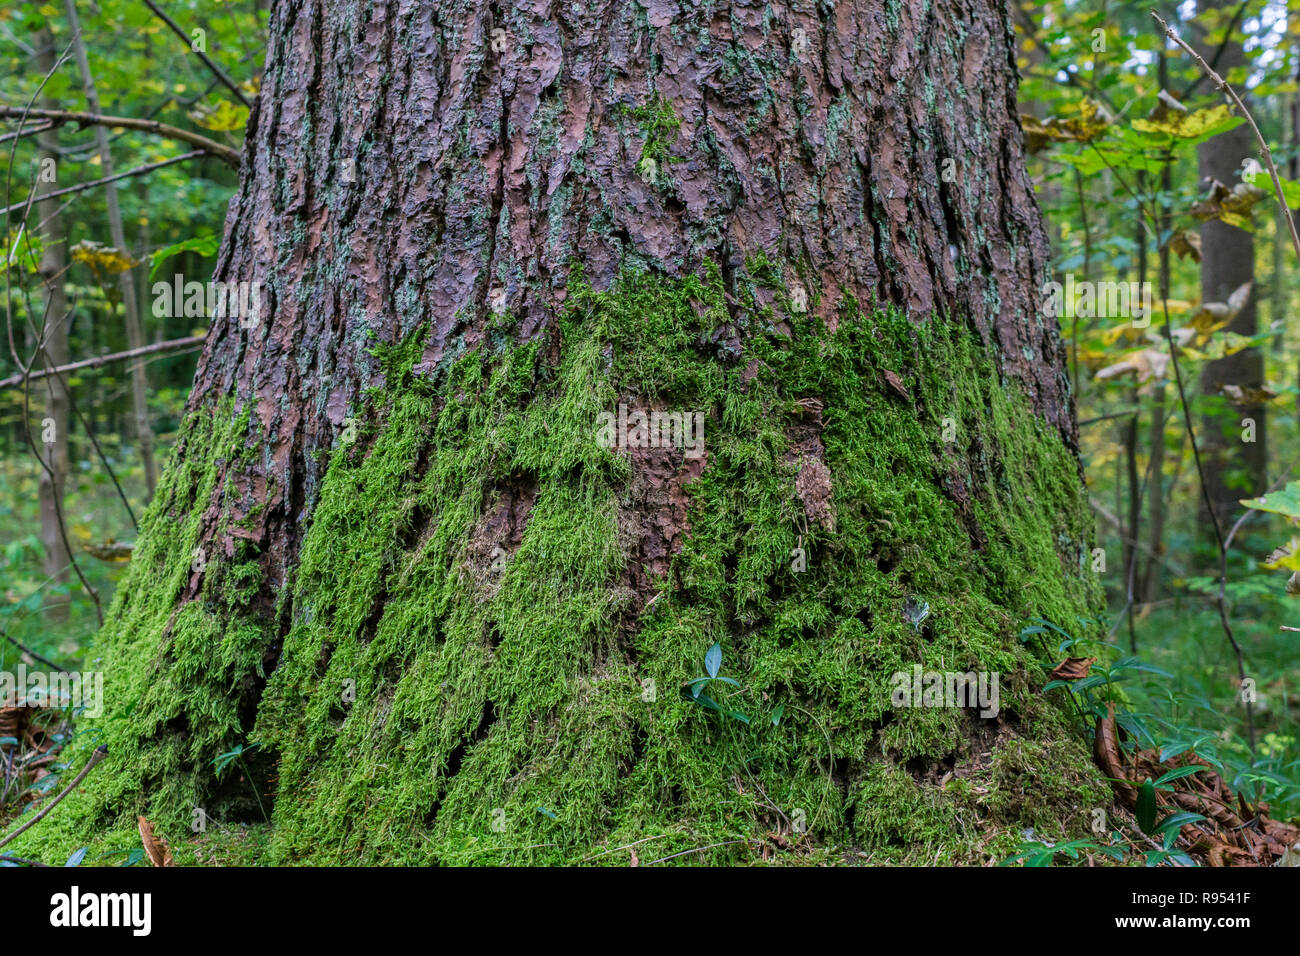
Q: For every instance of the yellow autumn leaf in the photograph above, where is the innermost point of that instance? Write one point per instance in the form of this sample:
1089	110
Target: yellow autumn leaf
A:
1088	123
1125	330
223	119
1184	125
1287	556
103	260
1229	343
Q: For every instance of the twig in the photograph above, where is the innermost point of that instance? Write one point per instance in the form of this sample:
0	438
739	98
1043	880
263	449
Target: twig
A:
1113	520
224	153
19	859
138	171
27	650
28	131
217	71
1105	418
97	361
628	846
698	849
100	753
1245	113
1218	54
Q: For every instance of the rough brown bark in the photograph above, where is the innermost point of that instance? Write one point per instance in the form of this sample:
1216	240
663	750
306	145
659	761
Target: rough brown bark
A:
488	163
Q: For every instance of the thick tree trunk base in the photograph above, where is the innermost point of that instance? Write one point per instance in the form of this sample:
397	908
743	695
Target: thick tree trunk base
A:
481	652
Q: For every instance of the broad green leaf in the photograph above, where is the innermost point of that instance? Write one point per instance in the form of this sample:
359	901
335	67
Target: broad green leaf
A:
1284	502
1178	774
205	246
713	660
1176	821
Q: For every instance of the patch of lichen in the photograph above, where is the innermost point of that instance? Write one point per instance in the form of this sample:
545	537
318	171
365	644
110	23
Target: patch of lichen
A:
432	704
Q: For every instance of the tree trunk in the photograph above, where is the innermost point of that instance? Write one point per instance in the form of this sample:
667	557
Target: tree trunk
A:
126	280
407	545
1234	468
54	260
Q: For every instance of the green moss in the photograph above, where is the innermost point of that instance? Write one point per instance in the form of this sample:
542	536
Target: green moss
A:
181	685
438	701
657	124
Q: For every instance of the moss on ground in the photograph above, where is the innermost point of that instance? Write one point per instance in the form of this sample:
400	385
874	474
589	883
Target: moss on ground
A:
432	704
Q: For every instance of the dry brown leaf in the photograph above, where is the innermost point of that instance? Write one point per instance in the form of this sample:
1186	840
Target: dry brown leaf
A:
1186	244
1246	395
1147	363
1230	835
1072	668
1230	204
155	847
1105	748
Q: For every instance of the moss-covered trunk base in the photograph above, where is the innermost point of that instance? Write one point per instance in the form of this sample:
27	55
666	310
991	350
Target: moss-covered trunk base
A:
484	652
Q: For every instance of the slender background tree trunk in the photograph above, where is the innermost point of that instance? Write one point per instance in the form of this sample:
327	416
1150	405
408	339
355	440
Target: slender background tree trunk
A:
1234	469
53	266
126	282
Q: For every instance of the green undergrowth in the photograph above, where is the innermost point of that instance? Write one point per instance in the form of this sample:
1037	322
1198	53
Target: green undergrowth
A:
439	701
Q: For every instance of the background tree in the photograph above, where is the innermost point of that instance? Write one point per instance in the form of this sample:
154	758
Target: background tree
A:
1234	468
54	261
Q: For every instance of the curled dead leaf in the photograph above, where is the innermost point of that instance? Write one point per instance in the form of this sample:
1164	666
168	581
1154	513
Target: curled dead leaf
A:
1229	204
1246	395
1072	668
897	384
155	847
1105	748
1186	244
1089	123
1147	364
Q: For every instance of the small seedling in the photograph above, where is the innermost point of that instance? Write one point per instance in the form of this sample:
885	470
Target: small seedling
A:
695	688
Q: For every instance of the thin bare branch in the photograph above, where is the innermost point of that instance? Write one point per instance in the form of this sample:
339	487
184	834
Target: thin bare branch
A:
225	153
1245	113
169	346
217	71
137	171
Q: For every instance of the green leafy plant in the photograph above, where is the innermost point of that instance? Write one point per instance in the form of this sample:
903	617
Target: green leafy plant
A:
694	688
236	754
1042	853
